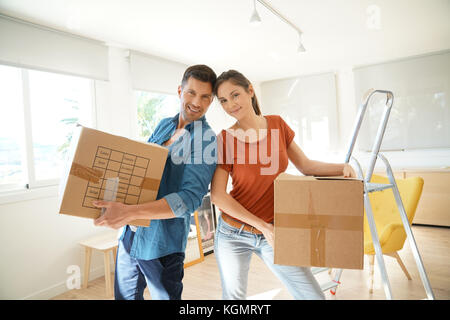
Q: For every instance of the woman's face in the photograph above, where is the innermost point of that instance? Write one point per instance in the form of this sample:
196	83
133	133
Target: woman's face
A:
235	100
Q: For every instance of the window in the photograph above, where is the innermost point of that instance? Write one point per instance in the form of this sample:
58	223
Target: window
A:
151	109
57	104
39	111
420	115
11	127
308	105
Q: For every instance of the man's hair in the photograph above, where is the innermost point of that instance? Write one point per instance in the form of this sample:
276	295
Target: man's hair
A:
200	72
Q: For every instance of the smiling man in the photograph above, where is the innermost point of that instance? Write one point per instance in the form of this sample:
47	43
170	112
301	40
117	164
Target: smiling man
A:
154	256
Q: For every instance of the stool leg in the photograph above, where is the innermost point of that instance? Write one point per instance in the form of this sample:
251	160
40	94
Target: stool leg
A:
114	255
107	273
87	265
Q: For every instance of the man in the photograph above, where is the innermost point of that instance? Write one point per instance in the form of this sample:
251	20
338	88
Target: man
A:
154	256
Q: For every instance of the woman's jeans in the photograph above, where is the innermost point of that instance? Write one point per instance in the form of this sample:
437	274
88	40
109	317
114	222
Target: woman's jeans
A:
233	249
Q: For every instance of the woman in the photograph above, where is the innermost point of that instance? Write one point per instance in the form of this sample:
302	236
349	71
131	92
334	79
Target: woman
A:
246	222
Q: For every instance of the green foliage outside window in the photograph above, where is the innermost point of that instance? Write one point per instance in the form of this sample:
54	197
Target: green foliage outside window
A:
149	113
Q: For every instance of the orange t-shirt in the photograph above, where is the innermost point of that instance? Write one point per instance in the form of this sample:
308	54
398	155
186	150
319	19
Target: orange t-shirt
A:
254	170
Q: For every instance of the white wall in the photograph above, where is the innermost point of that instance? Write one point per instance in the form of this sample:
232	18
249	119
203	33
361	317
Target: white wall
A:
38	247
114	98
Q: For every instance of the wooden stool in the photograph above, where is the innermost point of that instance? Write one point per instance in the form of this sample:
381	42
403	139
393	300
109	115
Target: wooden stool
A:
106	242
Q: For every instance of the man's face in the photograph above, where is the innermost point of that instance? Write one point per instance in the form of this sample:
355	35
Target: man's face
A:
196	97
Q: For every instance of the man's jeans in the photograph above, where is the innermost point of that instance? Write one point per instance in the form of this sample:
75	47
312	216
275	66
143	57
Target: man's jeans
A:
233	249
163	276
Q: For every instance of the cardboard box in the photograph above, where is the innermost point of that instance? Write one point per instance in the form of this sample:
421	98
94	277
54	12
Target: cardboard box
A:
319	222
101	163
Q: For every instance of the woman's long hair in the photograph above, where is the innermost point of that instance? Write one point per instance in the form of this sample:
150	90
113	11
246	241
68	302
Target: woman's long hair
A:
238	79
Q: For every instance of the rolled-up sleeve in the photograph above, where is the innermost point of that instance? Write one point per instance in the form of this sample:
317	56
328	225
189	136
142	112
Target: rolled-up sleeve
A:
197	176
176	203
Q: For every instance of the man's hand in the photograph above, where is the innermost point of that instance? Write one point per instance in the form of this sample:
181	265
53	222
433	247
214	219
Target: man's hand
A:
116	214
348	171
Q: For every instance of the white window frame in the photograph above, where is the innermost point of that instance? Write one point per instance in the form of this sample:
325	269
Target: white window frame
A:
28	165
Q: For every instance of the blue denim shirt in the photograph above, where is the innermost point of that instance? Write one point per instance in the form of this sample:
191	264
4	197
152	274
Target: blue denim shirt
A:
189	168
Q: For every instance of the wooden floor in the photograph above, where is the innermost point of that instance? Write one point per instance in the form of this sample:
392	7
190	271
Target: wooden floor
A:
202	281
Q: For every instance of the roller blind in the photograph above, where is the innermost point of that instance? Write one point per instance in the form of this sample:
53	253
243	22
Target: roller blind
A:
155	74
32	46
420	115
308	105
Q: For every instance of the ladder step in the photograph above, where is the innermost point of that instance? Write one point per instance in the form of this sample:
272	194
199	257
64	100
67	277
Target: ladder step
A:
316	270
328	285
373	187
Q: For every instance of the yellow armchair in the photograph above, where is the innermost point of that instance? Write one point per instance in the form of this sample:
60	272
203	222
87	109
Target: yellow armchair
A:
390	228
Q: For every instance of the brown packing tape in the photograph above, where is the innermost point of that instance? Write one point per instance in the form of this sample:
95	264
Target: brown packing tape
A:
150	184
318	245
90	174
85	172
318	225
317	236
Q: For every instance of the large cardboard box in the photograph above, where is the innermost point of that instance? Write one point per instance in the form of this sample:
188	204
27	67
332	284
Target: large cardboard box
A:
103	166
319	222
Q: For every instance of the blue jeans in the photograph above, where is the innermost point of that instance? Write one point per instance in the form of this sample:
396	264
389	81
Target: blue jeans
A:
233	249
163	276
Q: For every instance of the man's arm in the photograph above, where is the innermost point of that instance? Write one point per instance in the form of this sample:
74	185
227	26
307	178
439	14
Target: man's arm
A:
118	214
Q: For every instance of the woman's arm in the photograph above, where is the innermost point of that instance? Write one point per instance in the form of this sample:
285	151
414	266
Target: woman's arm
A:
227	203
317	168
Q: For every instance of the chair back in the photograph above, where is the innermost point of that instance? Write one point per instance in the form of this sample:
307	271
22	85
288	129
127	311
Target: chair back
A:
386	213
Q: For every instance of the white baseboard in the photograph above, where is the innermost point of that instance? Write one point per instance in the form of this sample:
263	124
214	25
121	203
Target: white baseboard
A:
61	287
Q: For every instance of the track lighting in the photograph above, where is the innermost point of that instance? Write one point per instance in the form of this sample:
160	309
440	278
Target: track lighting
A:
255	19
301	48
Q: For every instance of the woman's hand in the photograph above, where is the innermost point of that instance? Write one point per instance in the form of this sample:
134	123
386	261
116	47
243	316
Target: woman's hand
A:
348	171
267	231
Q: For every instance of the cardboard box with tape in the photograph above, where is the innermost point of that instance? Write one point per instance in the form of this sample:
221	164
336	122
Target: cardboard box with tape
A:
319	221
103	166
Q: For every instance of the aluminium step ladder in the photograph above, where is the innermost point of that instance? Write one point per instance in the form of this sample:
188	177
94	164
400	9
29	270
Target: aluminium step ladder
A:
374	187
330	285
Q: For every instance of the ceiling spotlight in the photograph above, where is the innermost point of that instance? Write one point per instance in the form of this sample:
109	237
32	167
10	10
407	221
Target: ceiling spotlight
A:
301	48
255	19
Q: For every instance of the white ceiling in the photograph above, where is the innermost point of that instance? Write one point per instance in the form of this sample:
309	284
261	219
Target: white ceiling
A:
217	33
